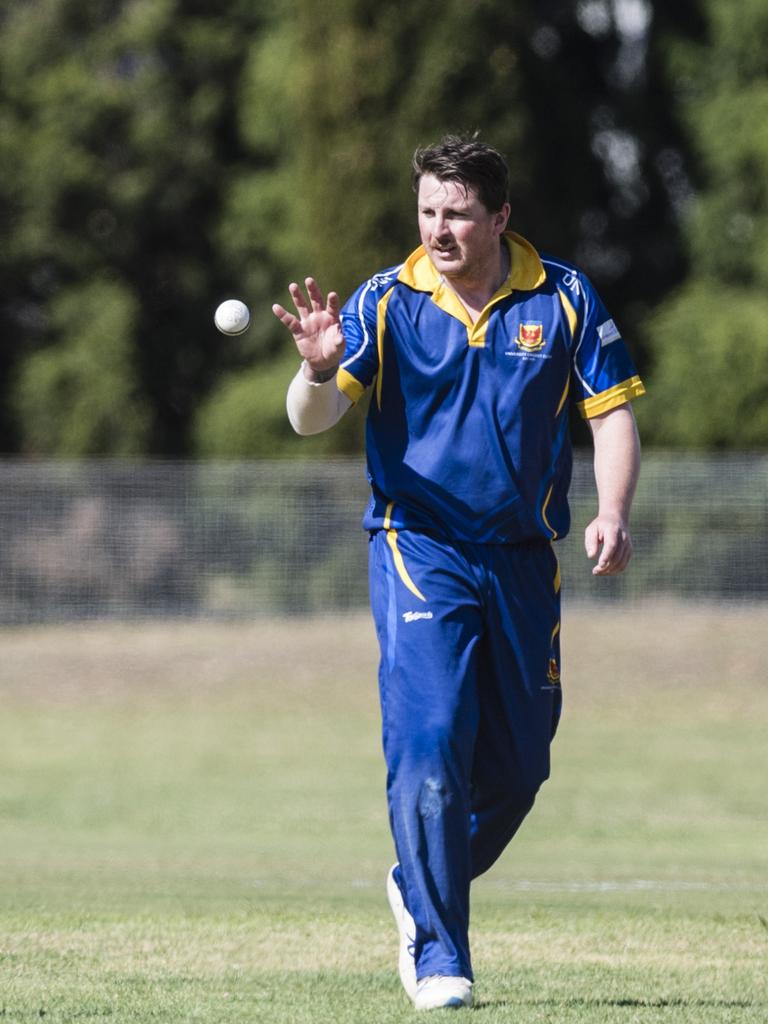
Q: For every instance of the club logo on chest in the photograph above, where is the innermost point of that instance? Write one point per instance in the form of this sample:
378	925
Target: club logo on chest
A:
530	336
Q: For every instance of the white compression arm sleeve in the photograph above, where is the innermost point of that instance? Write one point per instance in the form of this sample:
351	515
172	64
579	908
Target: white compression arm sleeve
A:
313	408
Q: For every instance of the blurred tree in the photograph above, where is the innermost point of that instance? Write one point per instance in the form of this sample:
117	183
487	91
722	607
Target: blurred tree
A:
117	129
81	396
157	156
601	133
337	95
709	340
246	416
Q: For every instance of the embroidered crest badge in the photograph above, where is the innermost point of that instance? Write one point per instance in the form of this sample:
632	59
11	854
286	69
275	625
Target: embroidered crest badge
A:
530	336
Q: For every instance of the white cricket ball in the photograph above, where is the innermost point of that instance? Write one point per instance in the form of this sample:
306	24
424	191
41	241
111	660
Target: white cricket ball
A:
232	317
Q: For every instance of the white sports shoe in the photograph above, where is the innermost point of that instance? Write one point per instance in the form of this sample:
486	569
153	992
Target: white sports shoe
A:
440	992
407	931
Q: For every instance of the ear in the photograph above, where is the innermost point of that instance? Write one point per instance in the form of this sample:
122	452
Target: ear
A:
501	218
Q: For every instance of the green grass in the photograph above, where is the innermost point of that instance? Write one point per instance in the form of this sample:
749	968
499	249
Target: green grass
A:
193	828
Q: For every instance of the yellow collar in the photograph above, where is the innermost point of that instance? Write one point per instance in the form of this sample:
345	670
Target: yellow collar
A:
525	269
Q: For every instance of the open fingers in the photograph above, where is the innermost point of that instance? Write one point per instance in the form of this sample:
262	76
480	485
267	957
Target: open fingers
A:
312	311
286	318
299	301
315	295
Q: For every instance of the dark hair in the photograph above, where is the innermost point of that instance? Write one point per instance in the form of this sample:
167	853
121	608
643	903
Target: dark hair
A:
472	163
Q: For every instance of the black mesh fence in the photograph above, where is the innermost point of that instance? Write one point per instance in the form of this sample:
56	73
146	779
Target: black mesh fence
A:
109	539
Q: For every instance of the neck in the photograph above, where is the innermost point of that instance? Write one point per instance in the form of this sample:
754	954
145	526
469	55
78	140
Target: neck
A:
475	292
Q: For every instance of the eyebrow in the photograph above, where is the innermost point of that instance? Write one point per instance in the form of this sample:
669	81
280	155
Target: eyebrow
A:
424	207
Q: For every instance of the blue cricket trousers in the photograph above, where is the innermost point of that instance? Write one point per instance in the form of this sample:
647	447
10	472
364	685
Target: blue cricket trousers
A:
470	697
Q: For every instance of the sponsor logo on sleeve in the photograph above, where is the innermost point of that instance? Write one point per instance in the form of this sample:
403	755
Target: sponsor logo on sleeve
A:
607	333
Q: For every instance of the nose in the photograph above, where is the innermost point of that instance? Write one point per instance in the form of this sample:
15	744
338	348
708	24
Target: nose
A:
441	225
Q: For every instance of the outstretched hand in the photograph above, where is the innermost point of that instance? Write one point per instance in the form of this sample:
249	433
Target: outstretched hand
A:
317	328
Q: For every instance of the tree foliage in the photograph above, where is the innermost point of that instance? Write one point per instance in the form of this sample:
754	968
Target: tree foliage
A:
709	340
336	97
118	129
158	156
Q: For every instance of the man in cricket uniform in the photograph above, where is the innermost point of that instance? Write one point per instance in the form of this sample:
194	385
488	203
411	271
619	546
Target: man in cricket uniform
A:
474	349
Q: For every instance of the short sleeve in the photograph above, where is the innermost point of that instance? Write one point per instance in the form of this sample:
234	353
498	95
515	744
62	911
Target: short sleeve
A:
361	356
604	374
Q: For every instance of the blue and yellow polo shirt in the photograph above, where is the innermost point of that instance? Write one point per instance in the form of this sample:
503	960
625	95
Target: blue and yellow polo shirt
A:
467	431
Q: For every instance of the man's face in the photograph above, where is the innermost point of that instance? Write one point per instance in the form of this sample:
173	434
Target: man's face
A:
460	235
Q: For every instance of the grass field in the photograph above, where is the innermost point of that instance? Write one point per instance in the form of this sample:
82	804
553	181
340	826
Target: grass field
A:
193	828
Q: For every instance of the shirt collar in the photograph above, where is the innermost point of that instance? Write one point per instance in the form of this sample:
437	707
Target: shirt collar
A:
526	271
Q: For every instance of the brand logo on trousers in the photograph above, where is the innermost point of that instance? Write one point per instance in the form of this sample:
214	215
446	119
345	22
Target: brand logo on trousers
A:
413	616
